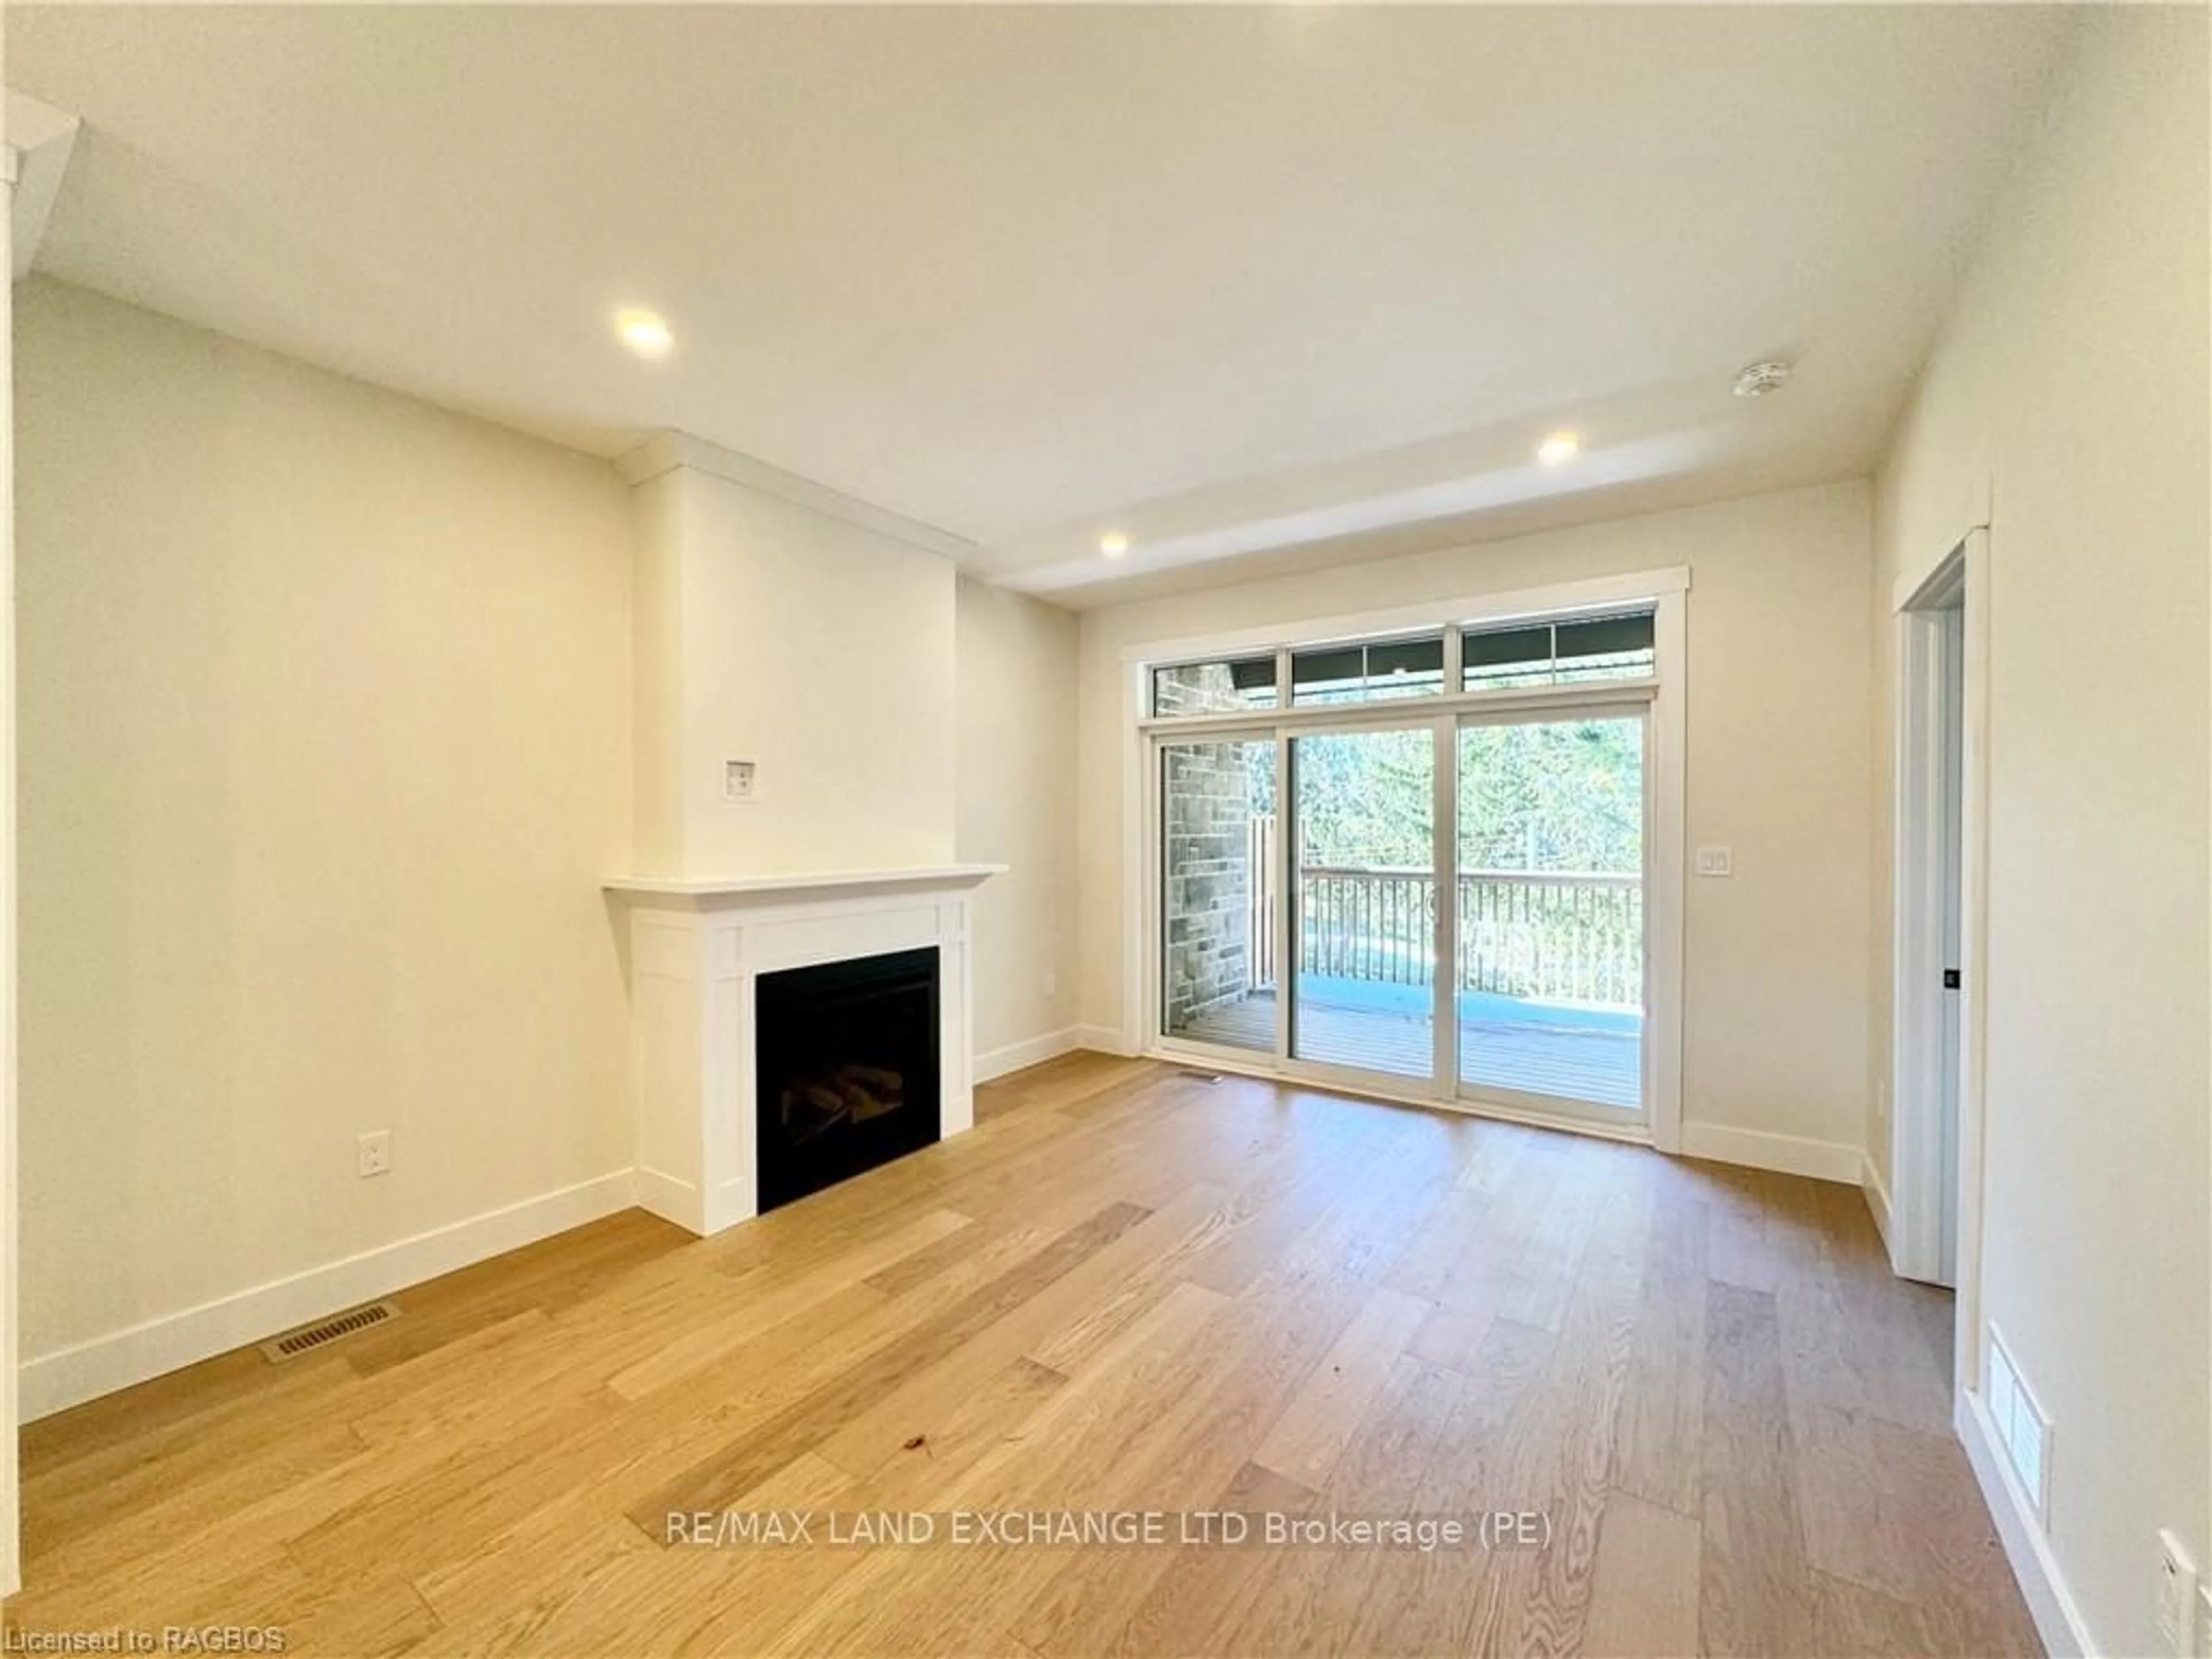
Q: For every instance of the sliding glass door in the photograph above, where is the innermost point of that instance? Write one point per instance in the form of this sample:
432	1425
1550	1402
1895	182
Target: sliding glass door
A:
1550	911
1312	934
1364	978
1420	863
1217	862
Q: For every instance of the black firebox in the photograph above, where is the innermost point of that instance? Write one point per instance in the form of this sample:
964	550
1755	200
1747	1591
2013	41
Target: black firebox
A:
848	1064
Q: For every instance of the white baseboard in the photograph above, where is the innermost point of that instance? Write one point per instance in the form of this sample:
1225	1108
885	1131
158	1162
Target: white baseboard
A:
1103	1039
672	1200
1877	1198
2057	1616
68	1377
1033	1051
1758	1149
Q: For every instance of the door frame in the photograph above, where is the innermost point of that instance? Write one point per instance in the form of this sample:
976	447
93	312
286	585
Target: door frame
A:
1151	895
1666	695
1927	644
1409	715
1560	1109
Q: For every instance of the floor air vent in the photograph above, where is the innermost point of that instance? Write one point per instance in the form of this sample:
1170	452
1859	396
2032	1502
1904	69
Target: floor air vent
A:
1197	1076
293	1344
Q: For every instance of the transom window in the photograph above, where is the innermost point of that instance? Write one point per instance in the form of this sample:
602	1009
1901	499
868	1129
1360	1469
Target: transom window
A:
1557	653
1369	673
1500	657
1215	688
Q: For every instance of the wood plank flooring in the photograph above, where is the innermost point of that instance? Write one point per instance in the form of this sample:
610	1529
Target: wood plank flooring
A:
1128	1290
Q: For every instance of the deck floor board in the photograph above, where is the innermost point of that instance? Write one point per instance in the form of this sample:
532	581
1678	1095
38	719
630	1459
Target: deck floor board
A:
1527	1056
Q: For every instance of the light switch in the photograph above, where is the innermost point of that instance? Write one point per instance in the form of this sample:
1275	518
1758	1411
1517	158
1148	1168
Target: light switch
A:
1715	861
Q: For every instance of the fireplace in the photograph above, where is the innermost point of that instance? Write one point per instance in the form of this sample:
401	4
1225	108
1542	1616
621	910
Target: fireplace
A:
710	961
847	1066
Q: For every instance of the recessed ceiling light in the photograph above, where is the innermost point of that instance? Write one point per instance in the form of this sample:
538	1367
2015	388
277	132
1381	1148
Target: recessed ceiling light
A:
1759	379
1113	543
645	333
1559	446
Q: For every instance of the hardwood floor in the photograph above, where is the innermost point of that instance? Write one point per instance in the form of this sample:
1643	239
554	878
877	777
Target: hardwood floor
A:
1127	1290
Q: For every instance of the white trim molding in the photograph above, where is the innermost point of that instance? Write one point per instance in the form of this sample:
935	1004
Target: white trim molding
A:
39	141
837	884
1667	869
1970	511
1960	576
1105	1040
1011	1057
1877	1197
697	950
1760	1149
68	1377
1939	698
670	450
2057	1615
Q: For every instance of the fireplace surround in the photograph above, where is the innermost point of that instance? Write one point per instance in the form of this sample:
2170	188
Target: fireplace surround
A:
698	952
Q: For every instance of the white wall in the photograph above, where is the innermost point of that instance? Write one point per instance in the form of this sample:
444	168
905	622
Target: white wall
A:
658	777
2070	384
338	711
1016	807
1777	974
325	751
11	1576
820	651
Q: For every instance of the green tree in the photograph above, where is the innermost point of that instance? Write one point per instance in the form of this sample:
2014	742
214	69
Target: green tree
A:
1556	795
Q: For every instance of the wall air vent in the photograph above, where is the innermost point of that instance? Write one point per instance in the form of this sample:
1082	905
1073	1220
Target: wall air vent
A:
323	1332
2022	1426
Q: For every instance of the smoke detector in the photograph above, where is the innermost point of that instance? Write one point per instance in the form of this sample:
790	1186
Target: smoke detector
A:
1760	379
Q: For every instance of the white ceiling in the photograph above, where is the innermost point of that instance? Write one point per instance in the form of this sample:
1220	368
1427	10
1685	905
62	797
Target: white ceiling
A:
1229	280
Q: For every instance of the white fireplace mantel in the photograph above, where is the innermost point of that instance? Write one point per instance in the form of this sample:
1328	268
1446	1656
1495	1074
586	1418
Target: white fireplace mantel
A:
695	947
742	889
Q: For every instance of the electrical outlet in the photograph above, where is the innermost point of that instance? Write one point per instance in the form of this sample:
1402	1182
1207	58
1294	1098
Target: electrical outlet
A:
2177	1596
375	1154
738	778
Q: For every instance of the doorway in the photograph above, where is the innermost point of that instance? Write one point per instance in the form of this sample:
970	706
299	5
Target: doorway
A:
1364	900
1934	964
1552	812
1422	858
1453	904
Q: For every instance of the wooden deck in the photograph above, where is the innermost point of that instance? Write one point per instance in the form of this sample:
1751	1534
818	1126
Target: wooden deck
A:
1601	1068
1126	1290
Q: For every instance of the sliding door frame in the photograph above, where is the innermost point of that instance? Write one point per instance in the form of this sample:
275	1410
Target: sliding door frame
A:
1157	1040
1405	714
1564	1109
1662	695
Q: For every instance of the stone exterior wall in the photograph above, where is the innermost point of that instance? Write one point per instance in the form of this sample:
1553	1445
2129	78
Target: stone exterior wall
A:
1209	814
1202	688
1208	873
